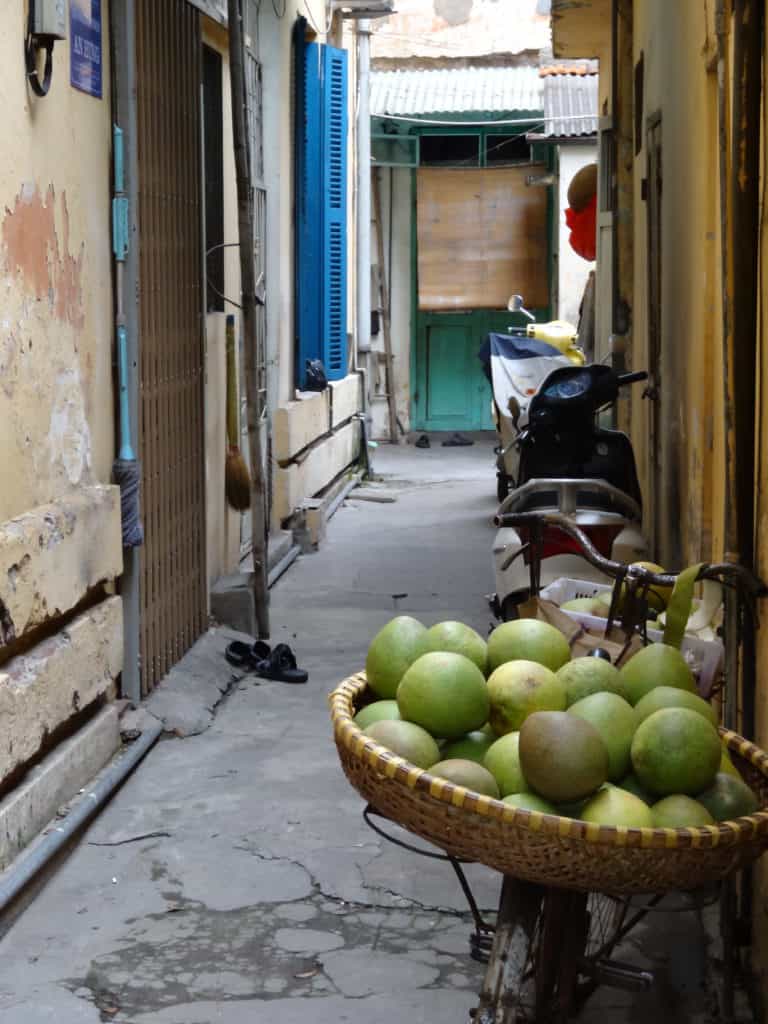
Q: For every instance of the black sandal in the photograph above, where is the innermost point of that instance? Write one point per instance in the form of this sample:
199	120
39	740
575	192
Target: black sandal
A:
247	656
457	441
281	666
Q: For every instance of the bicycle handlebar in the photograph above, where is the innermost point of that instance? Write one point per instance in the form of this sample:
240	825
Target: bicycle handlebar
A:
617	570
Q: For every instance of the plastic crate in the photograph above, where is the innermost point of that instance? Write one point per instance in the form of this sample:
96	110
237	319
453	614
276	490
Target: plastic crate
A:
704	656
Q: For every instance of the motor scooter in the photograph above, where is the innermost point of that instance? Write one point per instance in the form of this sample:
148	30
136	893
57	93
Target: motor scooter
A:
515	364
569	464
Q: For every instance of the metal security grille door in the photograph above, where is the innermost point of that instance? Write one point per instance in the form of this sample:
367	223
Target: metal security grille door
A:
171	428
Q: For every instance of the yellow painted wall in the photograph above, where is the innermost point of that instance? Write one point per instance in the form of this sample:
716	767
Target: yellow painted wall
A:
677	41
760	901
56	312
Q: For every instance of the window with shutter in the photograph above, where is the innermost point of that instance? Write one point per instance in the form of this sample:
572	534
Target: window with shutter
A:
321	205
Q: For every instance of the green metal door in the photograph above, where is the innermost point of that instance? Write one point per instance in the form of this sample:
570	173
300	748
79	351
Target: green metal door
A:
451	389
452	392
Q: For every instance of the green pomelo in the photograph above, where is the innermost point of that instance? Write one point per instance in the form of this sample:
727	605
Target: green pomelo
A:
528	640
392	650
678	811
584	676
530	802
669	697
406	740
729	797
502	760
468	774
726	764
377	712
586	605
614	806
458	639
444	693
517	689
658	597
615	720
471	747
655	665
631	784
563	757
676	750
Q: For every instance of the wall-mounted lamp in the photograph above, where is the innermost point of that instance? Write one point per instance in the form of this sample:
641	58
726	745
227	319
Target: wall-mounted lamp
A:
47	22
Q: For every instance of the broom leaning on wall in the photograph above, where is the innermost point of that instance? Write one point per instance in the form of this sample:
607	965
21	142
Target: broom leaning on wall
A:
237	479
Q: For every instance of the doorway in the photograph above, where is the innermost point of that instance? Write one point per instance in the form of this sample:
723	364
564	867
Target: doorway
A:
481	233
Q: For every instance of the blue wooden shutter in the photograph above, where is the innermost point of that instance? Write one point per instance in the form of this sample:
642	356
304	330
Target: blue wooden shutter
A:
334	334
309	242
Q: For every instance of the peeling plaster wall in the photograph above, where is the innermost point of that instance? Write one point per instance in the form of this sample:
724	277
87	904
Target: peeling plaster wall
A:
55	281
435	29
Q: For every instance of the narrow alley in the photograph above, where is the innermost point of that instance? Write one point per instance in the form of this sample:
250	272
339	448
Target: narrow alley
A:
232	880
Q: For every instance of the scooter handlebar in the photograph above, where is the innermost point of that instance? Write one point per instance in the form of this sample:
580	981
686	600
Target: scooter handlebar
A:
632	378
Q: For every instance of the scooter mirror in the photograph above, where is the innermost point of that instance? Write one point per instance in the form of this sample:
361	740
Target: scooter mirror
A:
515	305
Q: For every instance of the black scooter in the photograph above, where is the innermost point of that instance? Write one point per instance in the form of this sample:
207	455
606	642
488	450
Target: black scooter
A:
571	465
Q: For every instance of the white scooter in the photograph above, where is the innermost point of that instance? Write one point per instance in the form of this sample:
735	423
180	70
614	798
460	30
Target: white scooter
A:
516	363
571	465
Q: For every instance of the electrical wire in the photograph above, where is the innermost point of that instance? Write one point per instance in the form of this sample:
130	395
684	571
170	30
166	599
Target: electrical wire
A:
279	14
211	285
31	48
311	18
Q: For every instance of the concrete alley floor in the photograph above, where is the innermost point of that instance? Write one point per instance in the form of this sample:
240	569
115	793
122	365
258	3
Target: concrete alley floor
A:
233	881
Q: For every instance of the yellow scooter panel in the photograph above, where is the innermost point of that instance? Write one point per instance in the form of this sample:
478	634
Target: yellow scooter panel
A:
560	335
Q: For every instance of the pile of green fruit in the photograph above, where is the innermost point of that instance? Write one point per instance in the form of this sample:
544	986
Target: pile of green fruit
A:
516	718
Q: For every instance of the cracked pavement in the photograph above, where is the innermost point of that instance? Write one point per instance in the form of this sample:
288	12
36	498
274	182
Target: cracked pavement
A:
232	879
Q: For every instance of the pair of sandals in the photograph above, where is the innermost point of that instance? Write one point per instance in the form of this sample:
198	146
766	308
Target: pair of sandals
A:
277	663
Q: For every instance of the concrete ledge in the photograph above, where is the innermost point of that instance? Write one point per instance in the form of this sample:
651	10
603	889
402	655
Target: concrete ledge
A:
55	780
323	464
53	555
297	424
346	399
44	688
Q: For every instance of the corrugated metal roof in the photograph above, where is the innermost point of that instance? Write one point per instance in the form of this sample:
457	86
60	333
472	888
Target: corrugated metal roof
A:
456	91
570	106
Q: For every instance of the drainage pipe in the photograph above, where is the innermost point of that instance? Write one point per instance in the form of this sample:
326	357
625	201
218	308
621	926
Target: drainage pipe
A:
123	38
34	858
364	200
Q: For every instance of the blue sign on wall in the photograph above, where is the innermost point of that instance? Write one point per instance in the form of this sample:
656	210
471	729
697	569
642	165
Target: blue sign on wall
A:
85	45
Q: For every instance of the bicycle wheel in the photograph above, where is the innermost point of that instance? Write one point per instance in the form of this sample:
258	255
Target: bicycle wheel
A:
545	942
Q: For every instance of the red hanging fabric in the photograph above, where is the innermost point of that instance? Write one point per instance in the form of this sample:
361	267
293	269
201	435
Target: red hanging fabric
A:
583	225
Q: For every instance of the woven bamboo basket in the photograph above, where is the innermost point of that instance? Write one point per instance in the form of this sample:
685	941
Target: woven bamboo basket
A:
540	847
